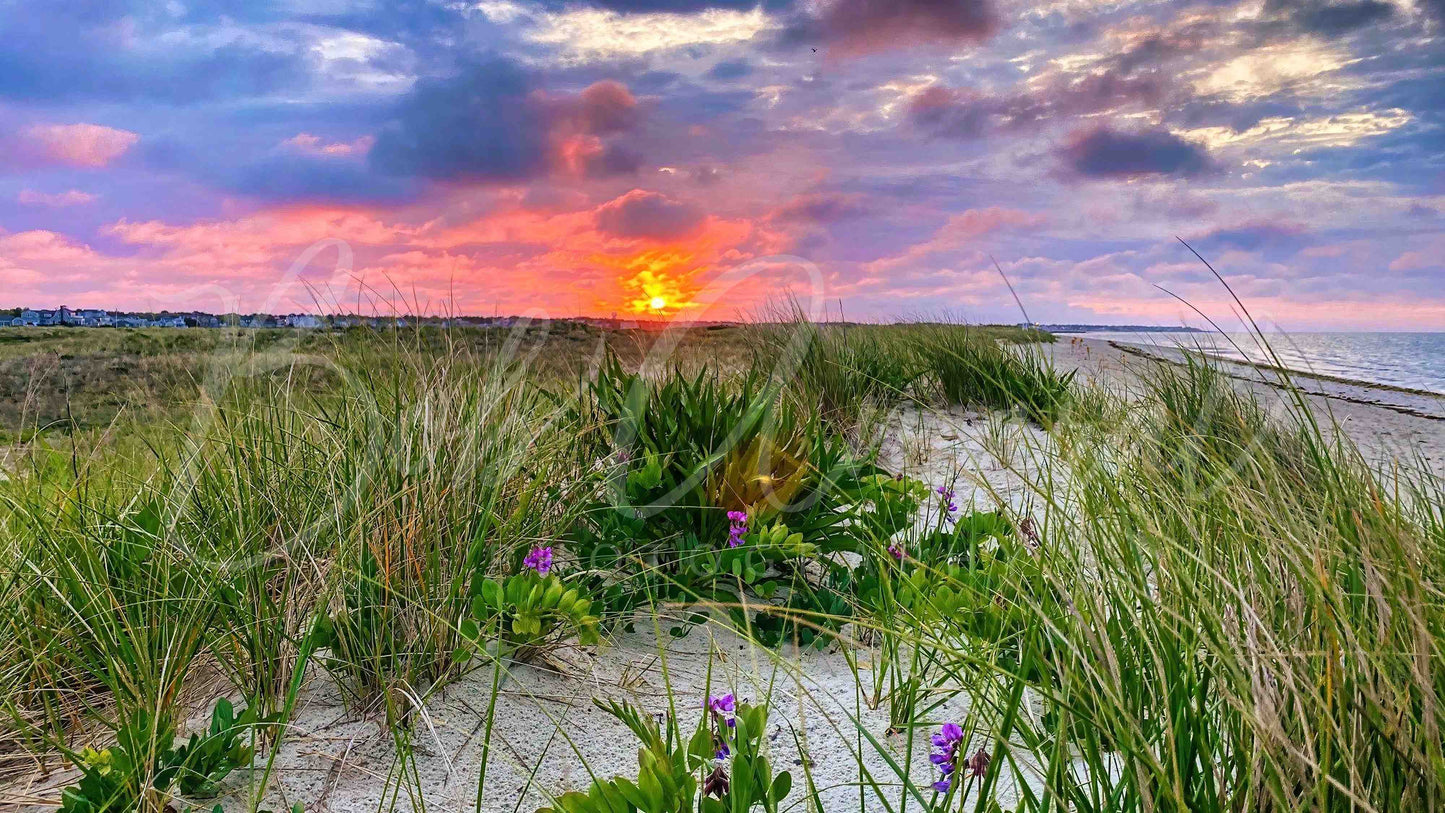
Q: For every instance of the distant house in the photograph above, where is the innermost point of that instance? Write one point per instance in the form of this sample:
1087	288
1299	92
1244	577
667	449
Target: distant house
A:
91	317
28	318
128	320
171	321
303	320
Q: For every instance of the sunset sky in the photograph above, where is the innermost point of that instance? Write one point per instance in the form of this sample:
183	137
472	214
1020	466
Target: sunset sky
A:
703	158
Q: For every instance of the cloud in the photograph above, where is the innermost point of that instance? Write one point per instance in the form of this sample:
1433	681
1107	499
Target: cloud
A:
603	107
72	197
605	33
313	145
961	231
120	52
1255	235
648	215
823	208
1102	152
730	69
1326	18
80	145
484	123
858	27
965	113
492	122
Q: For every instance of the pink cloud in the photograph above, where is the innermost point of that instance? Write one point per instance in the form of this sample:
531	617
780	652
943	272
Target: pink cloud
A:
963	230
1417	261
81	145
73	197
308	144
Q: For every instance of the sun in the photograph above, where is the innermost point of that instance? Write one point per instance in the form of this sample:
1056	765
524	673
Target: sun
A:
657	303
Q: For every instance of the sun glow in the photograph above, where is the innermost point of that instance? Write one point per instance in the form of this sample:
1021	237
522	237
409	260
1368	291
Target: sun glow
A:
657	303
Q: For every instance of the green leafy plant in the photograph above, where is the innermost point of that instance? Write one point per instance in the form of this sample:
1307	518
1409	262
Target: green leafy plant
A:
721	768
141	770
529	612
693	454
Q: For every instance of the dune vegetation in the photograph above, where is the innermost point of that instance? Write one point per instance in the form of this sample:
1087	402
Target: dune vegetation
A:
1198	605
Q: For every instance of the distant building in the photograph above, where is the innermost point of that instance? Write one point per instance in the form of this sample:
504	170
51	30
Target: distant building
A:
303	320
28	318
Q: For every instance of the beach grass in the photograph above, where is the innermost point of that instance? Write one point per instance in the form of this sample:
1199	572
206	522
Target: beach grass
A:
1192	602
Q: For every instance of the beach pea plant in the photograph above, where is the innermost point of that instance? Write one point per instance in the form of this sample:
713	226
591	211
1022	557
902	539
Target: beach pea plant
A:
531	610
114	779
718	487
720	768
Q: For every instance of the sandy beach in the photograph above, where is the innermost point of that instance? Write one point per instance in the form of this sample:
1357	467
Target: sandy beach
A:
1388	425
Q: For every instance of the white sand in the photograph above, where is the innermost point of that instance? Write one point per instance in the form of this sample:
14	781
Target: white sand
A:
1388	426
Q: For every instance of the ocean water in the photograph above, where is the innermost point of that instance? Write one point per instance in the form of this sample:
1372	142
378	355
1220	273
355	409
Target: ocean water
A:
1411	360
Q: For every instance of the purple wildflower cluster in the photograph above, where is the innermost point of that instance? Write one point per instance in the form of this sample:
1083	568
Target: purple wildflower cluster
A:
540	560
737	529
945	755
946	494
896	551
722	708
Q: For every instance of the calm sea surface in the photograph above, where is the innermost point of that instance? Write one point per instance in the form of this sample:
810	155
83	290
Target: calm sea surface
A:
1414	360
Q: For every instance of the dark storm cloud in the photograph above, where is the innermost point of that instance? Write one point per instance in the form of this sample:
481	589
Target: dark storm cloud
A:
1101	152
961	113
484	123
648	215
856	27
730	69
1331	19
491	122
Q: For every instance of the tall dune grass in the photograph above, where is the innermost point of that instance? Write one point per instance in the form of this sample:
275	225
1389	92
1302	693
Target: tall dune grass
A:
1214	607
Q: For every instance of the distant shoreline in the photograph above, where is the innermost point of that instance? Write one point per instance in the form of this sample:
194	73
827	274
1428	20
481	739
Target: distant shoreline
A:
1140	352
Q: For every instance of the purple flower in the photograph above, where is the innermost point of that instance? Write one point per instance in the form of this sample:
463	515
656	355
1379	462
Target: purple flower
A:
737	528
723	707
723	752
896	551
623	455
540	560
945	755
947	495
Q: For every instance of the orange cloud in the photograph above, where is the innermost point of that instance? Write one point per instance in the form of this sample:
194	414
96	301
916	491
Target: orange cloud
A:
81	145
510	257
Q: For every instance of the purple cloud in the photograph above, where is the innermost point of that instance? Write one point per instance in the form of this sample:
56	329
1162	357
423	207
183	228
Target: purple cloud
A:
648	215
1101	152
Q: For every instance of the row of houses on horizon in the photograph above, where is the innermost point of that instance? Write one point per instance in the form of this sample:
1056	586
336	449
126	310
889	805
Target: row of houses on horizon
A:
95	317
